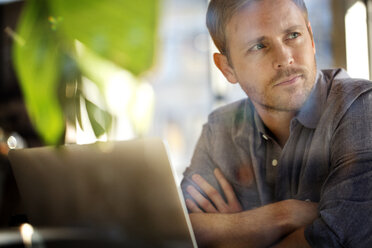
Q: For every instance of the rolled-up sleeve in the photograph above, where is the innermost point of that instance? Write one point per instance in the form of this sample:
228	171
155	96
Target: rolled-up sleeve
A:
202	164
345	205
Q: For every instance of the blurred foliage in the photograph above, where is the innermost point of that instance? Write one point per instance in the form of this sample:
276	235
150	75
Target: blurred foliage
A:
48	64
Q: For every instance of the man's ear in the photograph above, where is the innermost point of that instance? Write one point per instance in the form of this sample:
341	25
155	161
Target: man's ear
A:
311	35
224	66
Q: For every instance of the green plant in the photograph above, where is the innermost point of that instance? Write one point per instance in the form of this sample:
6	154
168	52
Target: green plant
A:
50	68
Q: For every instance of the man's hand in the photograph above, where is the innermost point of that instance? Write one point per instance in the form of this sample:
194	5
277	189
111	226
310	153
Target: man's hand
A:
217	203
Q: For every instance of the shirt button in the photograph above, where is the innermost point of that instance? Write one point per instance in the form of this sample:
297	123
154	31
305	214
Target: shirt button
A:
265	137
274	162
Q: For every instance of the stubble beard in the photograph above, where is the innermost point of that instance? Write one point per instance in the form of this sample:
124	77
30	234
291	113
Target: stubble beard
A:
293	99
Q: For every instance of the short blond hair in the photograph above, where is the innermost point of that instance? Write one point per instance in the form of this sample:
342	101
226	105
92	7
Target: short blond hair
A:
220	12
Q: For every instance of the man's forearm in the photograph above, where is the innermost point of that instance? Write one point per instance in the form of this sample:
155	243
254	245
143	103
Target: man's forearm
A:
259	227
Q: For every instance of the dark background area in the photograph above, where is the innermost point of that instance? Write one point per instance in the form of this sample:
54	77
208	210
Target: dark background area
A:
13	115
13	118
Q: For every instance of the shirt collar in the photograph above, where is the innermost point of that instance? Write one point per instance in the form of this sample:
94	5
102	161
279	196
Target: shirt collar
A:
260	128
259	123
310	113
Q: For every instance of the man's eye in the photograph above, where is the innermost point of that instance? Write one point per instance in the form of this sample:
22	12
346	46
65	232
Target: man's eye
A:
257	47
293	35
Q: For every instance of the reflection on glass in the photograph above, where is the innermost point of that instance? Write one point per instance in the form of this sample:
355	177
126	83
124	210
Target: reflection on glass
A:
357	41
26	233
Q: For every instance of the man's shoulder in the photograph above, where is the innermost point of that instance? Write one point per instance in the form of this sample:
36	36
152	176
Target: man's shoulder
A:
231	113
341	82
343	92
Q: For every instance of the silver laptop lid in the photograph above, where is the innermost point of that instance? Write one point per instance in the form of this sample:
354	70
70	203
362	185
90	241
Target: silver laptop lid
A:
125	186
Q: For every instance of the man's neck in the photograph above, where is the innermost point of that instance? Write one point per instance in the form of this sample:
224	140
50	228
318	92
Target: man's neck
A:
278	122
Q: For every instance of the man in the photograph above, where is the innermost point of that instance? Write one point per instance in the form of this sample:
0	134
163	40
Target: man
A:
291	166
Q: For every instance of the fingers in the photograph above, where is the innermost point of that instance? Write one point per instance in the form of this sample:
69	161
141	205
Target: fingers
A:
211	192
192	206
226	187
215	202
201	200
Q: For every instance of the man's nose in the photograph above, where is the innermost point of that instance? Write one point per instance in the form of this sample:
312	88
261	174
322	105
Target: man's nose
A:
282	57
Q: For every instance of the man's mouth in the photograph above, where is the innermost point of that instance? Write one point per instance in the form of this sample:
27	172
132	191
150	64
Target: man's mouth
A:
288	80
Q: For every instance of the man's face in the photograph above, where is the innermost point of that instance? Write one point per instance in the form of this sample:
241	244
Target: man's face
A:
272	54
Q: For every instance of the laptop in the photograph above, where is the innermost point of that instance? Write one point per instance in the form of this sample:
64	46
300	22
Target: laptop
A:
123	191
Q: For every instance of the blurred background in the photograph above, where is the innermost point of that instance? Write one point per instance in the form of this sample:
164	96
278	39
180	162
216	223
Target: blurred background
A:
106	96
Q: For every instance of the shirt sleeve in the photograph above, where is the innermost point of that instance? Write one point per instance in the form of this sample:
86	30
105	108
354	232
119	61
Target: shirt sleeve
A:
345	205
202	164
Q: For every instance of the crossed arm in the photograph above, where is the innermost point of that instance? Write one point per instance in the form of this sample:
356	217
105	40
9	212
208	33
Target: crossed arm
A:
220	223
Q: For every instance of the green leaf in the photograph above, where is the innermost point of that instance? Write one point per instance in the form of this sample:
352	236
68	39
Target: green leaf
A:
45	58
37	62
122	31
99	119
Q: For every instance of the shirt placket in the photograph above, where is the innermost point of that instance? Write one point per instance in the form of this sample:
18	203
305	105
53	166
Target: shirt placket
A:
272	161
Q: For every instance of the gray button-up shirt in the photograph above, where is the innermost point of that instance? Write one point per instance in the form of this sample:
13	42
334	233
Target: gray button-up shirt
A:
327	158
